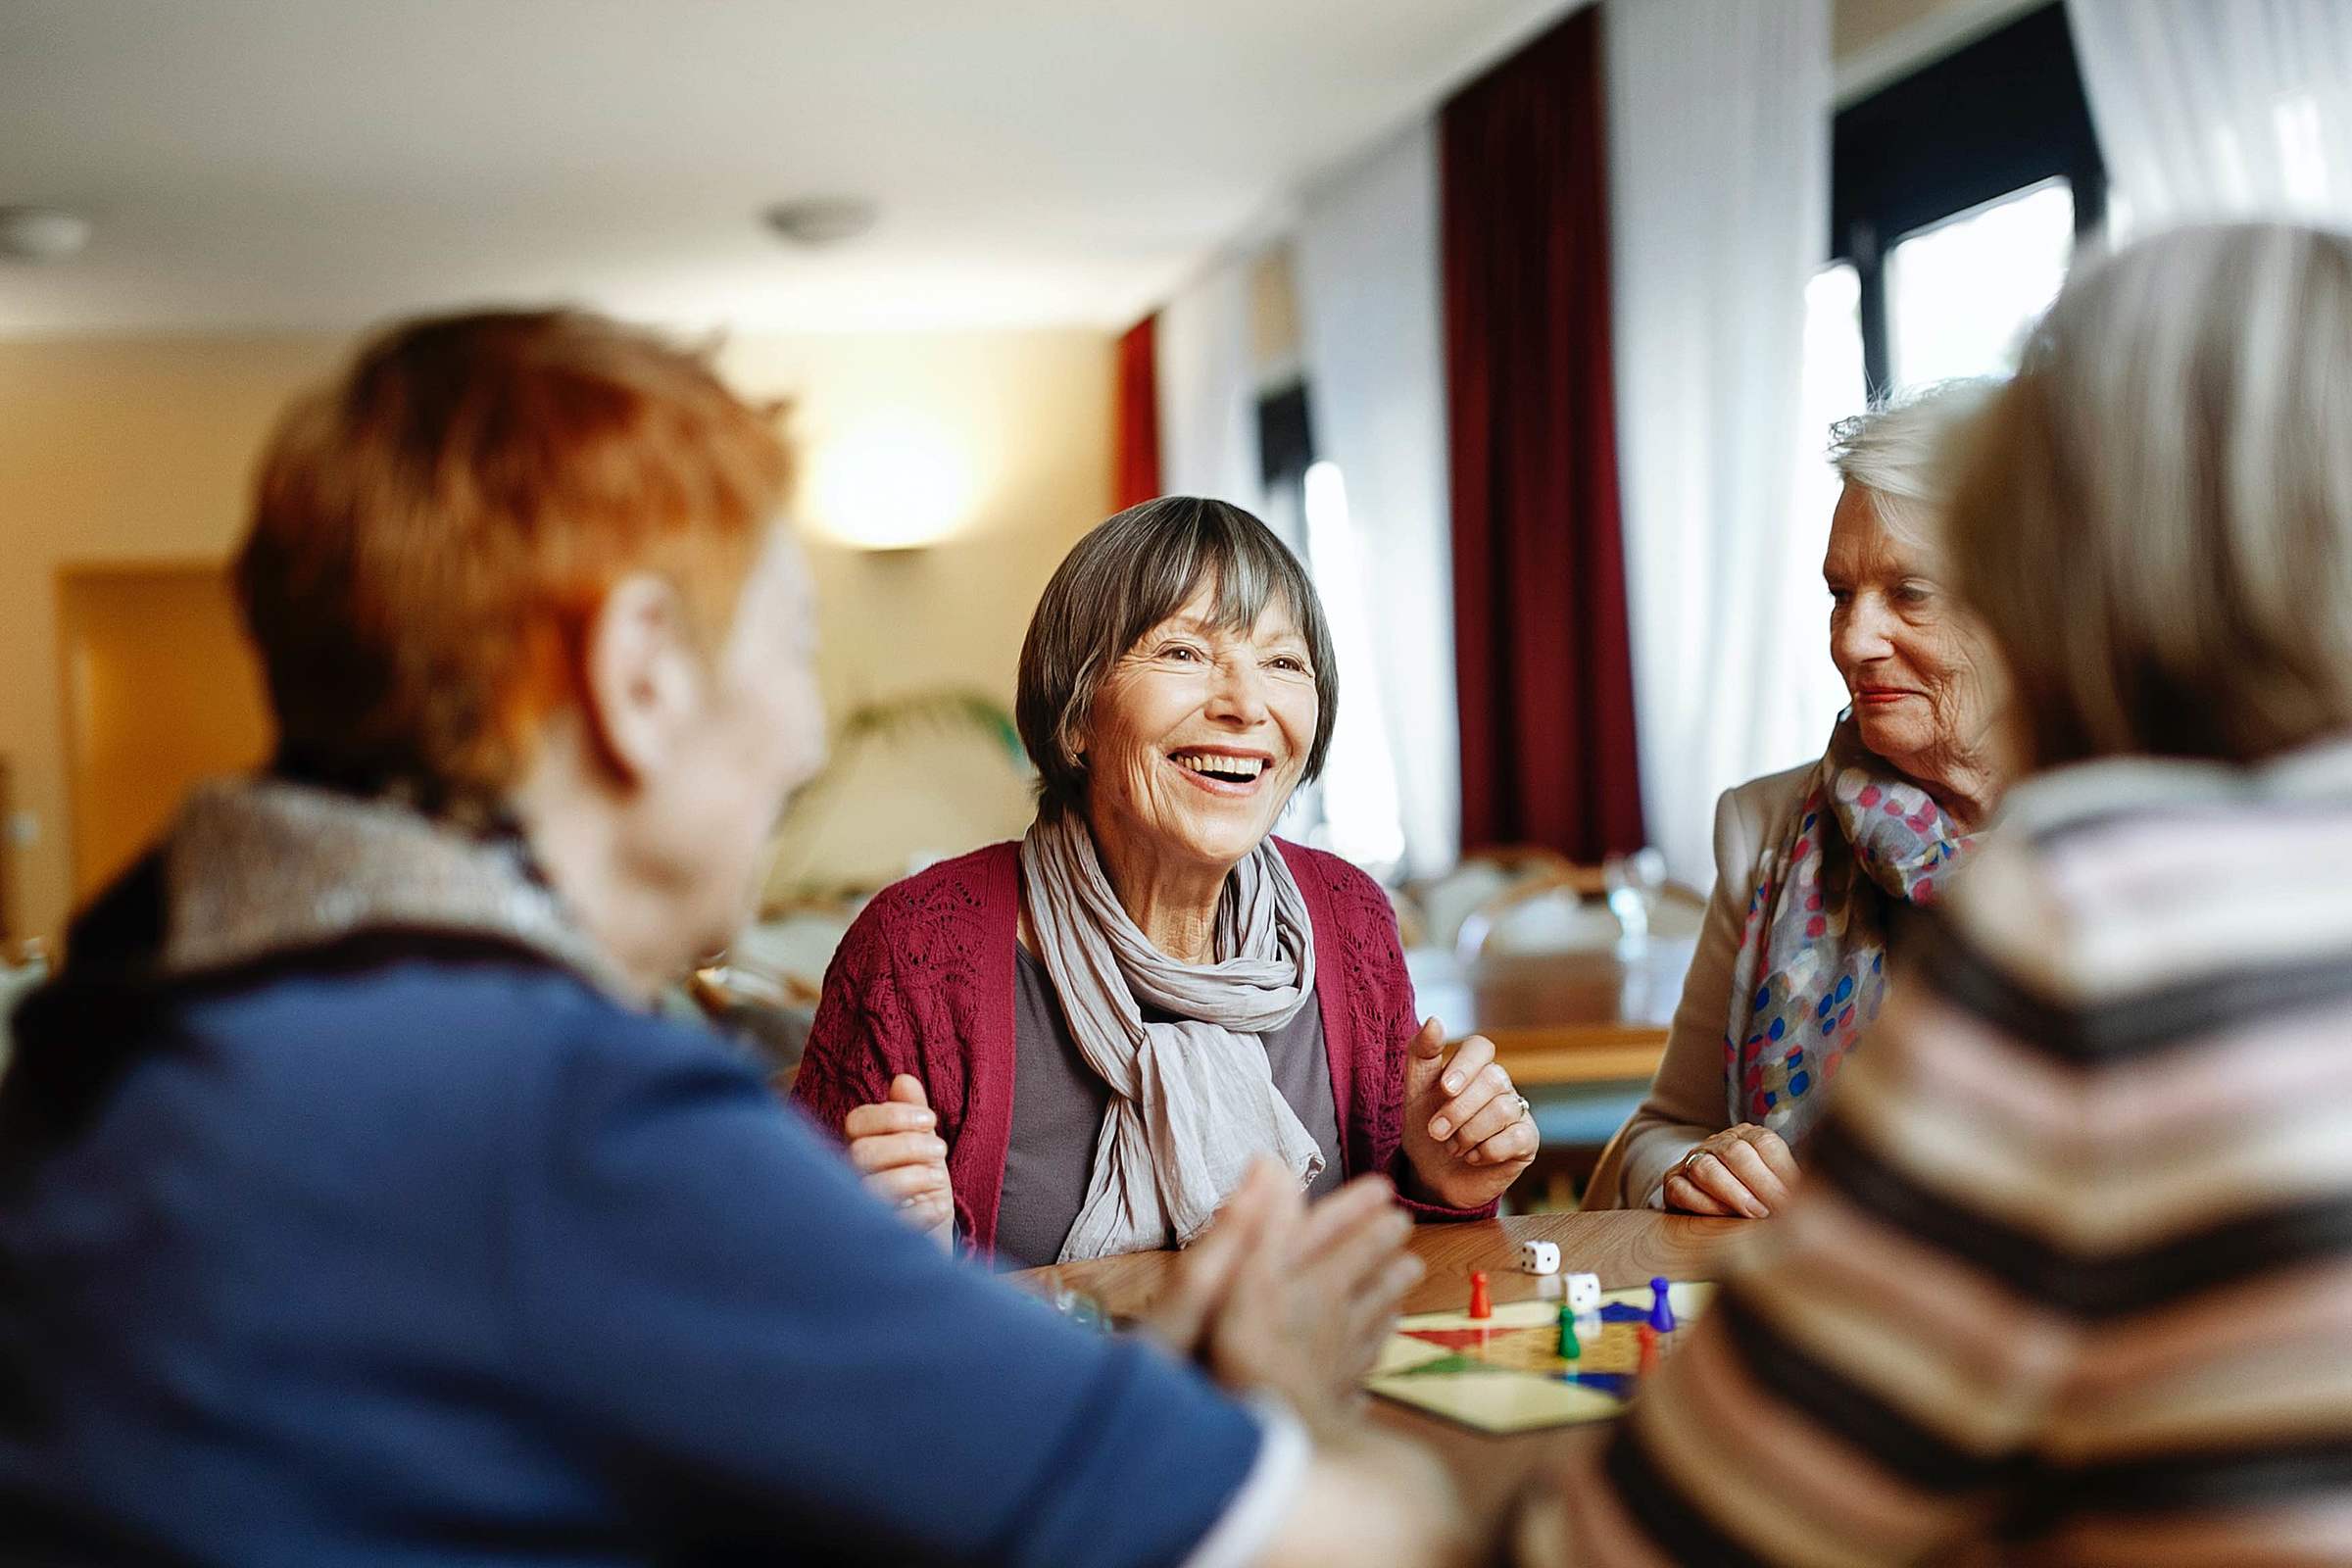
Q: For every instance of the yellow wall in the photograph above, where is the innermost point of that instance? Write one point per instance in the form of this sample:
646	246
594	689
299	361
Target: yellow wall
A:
1887	39
126	450
161	689
111	450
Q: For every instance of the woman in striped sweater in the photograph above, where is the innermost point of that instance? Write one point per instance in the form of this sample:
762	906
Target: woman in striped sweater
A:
2069	1278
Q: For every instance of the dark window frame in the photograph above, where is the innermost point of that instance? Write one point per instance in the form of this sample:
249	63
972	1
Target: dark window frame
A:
2005	112
1286	435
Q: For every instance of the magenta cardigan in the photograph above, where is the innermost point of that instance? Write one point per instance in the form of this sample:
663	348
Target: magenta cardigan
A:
923	984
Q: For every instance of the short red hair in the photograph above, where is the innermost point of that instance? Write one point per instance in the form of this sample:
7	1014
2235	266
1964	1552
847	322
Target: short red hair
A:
432	534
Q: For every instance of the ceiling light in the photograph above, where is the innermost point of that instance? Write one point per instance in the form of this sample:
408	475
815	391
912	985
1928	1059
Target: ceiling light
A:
895	481
41	233
816	222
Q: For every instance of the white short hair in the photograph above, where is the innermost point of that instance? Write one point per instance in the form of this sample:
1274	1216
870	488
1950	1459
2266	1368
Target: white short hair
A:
1902	453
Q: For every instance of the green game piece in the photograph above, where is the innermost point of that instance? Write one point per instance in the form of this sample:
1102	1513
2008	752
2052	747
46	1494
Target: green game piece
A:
1570	1351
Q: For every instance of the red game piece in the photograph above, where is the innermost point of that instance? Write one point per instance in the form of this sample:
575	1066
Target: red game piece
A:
1480	1305
1647	1339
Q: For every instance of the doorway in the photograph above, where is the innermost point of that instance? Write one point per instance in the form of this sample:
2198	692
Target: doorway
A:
161	690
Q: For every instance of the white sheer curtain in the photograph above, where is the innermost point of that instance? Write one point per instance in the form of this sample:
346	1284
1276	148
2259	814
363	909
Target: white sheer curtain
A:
1367	253
1207	388
2219	108
1719	172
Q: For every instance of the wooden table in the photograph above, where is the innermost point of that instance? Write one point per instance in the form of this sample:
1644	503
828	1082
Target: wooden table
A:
1625	1248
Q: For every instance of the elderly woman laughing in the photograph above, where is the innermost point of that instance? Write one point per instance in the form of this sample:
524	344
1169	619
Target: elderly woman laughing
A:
1073	1045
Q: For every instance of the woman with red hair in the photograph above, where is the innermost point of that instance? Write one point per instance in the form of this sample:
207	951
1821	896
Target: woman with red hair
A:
354	1208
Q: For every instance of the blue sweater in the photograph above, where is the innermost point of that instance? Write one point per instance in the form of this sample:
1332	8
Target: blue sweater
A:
434	1255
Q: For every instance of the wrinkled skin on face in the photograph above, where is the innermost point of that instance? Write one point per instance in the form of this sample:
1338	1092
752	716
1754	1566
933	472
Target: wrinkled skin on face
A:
1925	682
1194	743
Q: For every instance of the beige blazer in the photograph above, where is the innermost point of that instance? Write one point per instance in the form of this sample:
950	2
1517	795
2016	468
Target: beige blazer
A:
1686	1100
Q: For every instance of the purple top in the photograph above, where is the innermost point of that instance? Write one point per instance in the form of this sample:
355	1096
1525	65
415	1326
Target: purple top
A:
1059	1102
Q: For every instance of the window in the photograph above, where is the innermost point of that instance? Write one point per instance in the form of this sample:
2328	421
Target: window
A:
1957	197
1361	821
1832	390
1833	384
1961	294
1352	809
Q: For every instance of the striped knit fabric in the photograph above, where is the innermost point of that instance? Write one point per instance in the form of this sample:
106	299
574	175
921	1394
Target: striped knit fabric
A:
2070	1279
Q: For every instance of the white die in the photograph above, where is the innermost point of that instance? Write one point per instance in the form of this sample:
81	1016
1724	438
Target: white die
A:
1539	1257
1584	1292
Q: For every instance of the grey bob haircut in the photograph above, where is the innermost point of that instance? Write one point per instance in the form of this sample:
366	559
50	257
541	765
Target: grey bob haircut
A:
1128	574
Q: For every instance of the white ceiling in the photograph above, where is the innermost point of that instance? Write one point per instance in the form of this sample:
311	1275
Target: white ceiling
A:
326	163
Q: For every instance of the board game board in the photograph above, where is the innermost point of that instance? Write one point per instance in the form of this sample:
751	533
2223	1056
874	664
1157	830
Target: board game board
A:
1503	1373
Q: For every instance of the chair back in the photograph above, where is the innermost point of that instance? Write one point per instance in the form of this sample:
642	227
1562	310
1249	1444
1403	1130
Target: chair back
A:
1445	901
1557	912
1603	1187
1569	911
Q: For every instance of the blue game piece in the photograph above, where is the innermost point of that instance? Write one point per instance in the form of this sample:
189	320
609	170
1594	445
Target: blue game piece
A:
1661	1308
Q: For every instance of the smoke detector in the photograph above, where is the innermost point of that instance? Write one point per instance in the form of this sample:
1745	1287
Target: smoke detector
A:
816	222
41	233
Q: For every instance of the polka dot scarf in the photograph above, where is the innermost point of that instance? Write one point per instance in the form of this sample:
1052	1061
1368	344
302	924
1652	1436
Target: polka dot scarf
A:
1811	967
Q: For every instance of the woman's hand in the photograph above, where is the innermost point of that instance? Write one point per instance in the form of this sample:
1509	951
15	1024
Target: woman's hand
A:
903	1161
1291	1298
1744	1171
1467	1133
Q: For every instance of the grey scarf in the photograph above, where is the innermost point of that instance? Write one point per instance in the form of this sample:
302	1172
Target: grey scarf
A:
258	865
1193	1099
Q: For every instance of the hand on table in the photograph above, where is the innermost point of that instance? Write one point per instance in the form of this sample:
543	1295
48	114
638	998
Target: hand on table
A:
1744	1171
1290	1298
903	1161
1467	1132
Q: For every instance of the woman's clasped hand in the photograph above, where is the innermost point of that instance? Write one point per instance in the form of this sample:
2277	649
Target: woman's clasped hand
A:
1744	1171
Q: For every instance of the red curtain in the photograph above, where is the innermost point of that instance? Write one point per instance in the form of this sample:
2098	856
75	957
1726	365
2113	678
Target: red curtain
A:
1134	445
1542	653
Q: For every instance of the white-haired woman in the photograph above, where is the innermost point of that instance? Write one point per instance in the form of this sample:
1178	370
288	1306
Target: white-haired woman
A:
1815	865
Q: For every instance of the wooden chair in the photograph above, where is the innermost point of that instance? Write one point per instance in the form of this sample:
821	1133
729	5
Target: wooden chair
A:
1565	899
1445	901
769	1011
1566	910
